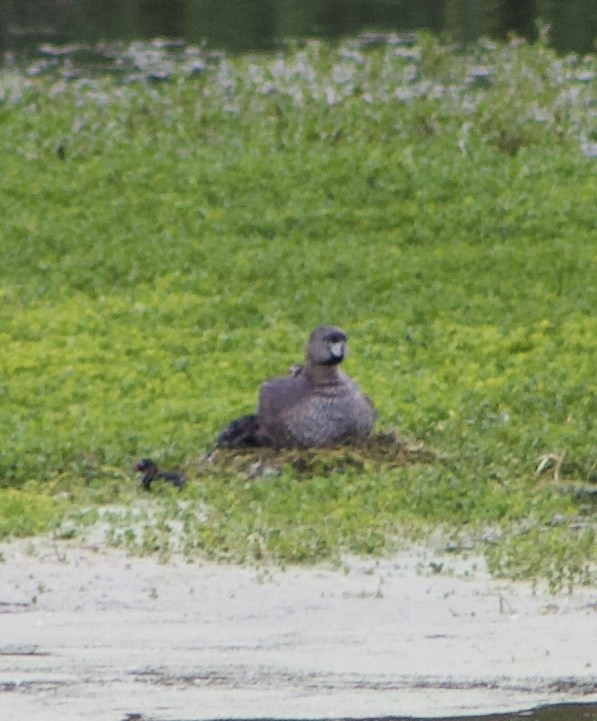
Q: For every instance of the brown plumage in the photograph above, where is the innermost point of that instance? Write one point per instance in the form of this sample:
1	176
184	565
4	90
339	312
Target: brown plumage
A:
316	405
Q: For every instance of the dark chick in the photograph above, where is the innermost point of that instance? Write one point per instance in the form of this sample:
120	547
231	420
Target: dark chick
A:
151	472
241	433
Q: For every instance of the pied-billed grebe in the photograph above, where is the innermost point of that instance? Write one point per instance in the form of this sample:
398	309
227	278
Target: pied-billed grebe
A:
316	405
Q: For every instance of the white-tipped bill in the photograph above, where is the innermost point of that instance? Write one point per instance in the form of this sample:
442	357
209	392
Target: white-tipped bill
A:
337	349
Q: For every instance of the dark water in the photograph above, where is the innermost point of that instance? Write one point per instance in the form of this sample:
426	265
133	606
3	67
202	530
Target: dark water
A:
240	25
561	712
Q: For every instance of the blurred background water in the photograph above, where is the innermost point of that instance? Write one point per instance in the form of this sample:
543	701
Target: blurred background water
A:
243	25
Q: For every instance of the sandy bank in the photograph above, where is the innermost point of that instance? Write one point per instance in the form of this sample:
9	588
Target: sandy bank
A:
88	633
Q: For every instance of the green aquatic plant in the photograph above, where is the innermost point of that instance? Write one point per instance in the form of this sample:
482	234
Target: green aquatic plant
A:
166	246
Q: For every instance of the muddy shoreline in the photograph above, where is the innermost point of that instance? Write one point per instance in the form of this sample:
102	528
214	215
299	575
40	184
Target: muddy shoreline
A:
87	632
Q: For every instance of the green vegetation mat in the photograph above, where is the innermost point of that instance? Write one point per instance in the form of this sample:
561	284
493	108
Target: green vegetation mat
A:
166	246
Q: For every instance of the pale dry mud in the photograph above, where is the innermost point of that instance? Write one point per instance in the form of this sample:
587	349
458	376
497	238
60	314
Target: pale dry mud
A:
89	633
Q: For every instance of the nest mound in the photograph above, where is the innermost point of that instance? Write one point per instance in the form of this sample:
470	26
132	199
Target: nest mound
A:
384	449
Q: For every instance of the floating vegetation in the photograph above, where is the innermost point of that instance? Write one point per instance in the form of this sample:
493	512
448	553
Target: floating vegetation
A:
513	94
174	219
